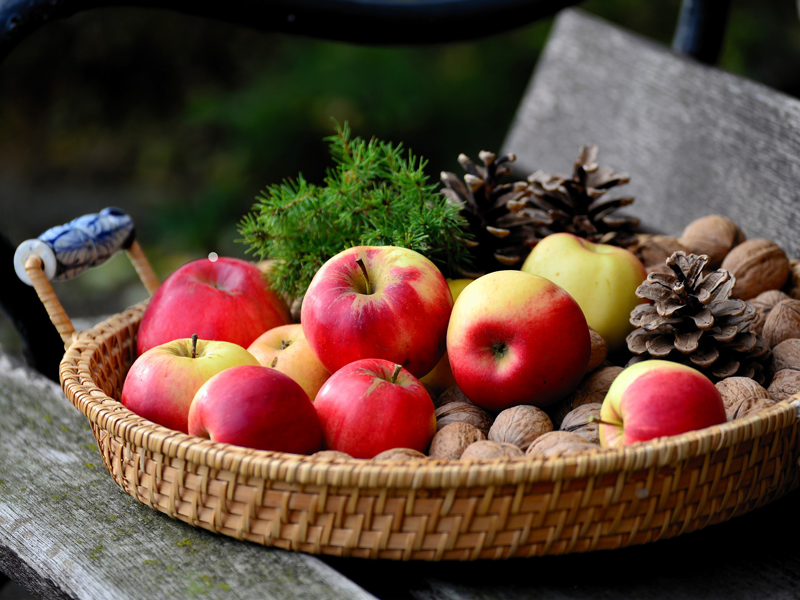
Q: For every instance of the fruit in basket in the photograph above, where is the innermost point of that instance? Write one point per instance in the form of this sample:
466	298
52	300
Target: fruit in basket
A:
256	407
440	378
286	349
658	398
227	300
516	338
378	302
161	383
372	405
602	279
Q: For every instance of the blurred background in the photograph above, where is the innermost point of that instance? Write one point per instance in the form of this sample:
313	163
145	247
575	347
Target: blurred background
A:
182	121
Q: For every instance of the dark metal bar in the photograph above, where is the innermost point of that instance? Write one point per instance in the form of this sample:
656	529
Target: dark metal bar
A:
386	22
701	29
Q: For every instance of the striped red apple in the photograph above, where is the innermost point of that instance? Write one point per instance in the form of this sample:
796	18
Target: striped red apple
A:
378	302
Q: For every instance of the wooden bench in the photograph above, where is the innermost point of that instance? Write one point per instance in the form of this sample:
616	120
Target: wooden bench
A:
695	140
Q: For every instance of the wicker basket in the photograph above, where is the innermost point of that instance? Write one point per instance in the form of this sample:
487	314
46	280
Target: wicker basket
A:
434	509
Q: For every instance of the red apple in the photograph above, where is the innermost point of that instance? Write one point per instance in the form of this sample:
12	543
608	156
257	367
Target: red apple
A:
227	299
286	349
256	407
378	302
655	398
516	338
161	383
372	405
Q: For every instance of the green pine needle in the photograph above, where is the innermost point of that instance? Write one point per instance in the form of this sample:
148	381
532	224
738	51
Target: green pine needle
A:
375	195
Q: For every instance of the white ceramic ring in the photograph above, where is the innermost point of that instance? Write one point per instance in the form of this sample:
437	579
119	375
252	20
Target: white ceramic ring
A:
40	249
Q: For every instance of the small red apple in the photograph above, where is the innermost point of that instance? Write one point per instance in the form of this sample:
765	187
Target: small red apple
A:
161	383
516	338
286	349
227	299
378	302
656	398
256	407
372	405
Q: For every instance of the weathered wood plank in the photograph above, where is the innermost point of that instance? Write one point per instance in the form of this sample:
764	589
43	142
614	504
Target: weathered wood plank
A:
67	531
695	139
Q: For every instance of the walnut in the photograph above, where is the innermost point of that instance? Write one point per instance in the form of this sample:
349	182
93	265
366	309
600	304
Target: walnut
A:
464	411
758	265
794	278
750	406
592	389
736	390
569	449
764	303
712	235
786	355
520	425
580	421
451	440
552	438
785	384
599	351
451	394
782	323
394	454
485	449
654	250
331	454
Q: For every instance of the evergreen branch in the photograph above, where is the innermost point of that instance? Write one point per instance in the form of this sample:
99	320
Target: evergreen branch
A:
375	194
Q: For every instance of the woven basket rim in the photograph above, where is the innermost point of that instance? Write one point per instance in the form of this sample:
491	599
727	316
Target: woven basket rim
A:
108	414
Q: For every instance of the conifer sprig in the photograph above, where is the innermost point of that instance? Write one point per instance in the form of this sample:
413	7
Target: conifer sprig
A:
375	194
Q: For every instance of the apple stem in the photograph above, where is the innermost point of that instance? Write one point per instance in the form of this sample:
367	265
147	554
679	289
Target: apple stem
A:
285	344
599	421
396	372
194	345
361	264
274	362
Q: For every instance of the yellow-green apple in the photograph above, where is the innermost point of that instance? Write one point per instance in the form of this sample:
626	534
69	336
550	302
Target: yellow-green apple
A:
378	302
256	407
655	398
602	279
227	300
516	338
286	349
372	405
161	382
440	378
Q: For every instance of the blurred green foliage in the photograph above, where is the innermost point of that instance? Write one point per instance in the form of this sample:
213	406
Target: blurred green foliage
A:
182	121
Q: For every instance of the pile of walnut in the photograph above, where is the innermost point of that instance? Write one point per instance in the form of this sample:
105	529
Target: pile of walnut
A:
765	277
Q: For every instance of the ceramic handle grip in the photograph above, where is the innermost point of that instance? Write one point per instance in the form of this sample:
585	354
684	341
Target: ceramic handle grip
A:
68	250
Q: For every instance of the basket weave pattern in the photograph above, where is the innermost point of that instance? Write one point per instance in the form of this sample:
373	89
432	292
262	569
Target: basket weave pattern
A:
431	510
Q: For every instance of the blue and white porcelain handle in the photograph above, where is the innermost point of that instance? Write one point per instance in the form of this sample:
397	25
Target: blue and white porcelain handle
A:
69	250
66	251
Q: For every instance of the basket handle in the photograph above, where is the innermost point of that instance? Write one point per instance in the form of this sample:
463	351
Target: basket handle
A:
66	251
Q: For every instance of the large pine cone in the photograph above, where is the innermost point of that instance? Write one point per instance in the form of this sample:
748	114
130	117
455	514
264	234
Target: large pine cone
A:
694	321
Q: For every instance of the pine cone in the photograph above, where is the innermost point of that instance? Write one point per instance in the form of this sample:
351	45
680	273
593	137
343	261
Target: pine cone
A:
693	320
503	225
577	205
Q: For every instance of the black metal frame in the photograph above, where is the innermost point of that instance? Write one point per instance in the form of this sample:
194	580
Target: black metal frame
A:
699	34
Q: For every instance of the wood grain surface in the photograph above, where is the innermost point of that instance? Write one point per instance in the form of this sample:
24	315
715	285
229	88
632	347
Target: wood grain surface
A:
695	139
